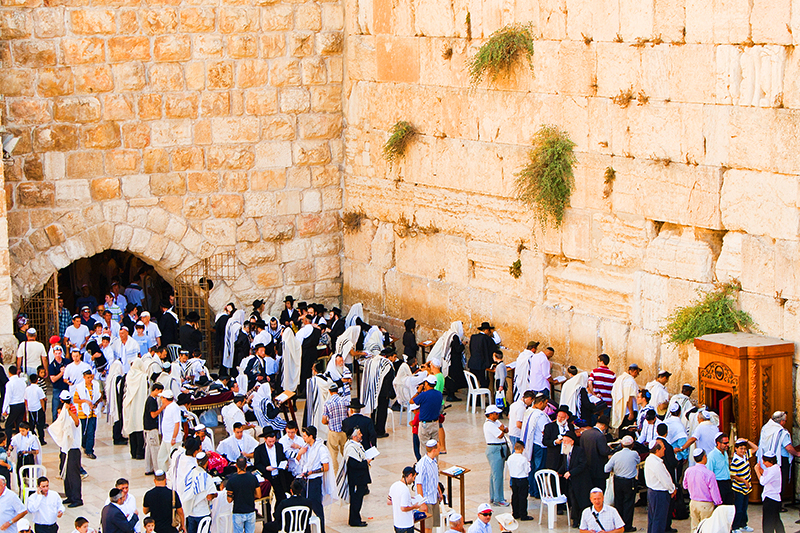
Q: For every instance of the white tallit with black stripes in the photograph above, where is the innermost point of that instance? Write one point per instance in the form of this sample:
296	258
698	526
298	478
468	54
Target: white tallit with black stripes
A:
375	371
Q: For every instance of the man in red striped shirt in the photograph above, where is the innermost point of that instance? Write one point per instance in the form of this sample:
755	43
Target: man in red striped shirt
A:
601	380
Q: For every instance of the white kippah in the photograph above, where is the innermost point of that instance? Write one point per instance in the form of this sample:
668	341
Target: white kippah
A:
596	490
431	443
698	452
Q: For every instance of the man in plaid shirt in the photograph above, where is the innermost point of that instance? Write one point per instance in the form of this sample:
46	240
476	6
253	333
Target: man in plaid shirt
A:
64	318
333	413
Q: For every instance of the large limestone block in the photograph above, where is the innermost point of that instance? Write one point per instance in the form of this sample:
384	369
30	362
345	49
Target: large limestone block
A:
766	310
768	20
398	59
691	73
638	20
598	20
750	76
594	291
758	261
358	242
383	246
589	181
678	193
584	341
510	316
731	20
746	193
644	349
553	19
683	361
656	297
729	263
434	18
699	21
550	325
613	336
618	67
676	253
435	257
670	19
620	241
576	234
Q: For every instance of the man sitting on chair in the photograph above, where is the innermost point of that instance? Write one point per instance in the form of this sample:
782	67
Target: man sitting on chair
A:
298	488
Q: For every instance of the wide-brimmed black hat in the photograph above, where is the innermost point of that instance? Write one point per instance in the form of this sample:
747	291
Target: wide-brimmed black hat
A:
485	326
257	303
289	298
563	409
410	323
192	316
571	434
356	405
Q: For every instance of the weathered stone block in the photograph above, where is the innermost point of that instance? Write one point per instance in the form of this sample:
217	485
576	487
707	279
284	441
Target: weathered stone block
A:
83	51
48	22
129	48
219	74
310	153
598	292
34	54
28	110
92	21
171	133
678	254
58	137
220	232
72	193
84	164
745	192
102	135
159	21
206	46
18	82
267	180
238	19
166	77
197	19
105	189
172	48
229	157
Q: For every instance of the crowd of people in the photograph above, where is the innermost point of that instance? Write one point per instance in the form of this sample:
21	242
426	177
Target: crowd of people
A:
604	426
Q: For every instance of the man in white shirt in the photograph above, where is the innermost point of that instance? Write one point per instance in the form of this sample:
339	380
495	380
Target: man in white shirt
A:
704	435
532	436
403	504
304	332
73	373
484	522
35	402
199	492
77	335
659	488
45	507
232	413
516	416
110	326
70	446
127	349
126	502
659	396
31	354
292	444
171	428
240	443
25	448
201	434
599	517
14	402
151	329
11	508
539	371
315	461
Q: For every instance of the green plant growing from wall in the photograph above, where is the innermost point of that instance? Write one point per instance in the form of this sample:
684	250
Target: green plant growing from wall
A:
352	220
546	182
401	134
500	52
515	269
713	312
608	181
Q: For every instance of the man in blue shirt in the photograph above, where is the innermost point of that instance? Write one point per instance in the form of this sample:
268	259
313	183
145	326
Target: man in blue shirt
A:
55	370
430	407
718	463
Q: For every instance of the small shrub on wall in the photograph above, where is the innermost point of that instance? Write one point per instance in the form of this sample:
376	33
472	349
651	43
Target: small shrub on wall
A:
546	182
401	134
498	55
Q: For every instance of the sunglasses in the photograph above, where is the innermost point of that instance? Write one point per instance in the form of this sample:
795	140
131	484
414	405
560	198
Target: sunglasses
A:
486	513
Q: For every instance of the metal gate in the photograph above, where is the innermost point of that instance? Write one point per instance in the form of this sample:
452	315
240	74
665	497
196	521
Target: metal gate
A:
192	287
42	310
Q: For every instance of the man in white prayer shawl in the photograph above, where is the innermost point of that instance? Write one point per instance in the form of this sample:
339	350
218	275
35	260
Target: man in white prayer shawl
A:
232	329
291	360
375	371
182	462
571	393
356	312
346	344
442	348
659	396
114	396
233	413
685	403
136	392
522	370
240	443
623	397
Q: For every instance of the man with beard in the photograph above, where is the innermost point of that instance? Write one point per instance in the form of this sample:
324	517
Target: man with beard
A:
481	347
289	315
308	337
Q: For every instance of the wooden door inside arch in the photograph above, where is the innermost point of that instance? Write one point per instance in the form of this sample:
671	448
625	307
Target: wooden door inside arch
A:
42	310
192	289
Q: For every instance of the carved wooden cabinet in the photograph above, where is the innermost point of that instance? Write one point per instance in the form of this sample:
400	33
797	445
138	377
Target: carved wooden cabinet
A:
745	378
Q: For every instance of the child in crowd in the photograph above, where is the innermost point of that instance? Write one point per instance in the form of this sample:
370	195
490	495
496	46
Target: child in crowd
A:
500	376
518	470
415	431
5	462
741	483
81	525
770	478
149	525
35	401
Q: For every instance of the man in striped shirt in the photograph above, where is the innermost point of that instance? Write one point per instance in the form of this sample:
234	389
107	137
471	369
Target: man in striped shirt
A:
601	380
742	486
428	483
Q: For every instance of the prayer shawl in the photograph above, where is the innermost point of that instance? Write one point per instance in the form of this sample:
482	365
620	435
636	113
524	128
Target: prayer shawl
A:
374	341
263	408
769	443
624	387
441	350
115	373
357	311
136	392
61	431
179	467
720	520
335	372
274	333
347	342
328	478
521	371
682	401
317	393
375	371
571	392
232	329
170	383
291	360
241	378
399	383
354	450
198	486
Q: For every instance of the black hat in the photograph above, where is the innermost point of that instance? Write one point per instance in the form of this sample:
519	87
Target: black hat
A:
356	405
336	311
389	350
257	303
563	409
203	381
410	323
485	326
261	324
571	434
289	298
302	305
192	316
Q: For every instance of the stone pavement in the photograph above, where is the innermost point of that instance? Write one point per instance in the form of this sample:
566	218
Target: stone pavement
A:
465	447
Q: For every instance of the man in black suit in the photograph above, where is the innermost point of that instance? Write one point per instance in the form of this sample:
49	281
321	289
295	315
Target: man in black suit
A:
357	478
364	423
575	473
481	348
112	519
289	315
595	445
552	437
266	458
168	324
295	500
336	323
671	463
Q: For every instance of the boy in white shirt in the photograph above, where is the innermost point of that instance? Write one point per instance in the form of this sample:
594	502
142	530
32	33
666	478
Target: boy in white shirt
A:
73	372
35	401
518	469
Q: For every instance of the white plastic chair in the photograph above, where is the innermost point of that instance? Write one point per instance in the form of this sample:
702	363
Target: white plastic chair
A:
28	475
475	392
316	526
205	525
550	491
172	352
195	420
391	413
295	519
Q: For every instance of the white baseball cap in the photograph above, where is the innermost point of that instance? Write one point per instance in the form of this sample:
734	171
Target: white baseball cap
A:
167	394
492	409
482	508
23	525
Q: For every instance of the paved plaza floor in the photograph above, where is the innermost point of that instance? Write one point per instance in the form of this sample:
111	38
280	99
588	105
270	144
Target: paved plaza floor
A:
465	447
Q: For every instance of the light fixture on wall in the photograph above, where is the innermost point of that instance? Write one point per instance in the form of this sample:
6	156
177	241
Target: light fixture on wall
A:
9	143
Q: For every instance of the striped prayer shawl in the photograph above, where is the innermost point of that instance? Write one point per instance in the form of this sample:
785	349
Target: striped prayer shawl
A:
375	371
354	450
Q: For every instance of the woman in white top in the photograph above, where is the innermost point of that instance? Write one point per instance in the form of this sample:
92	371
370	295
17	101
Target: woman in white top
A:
494	433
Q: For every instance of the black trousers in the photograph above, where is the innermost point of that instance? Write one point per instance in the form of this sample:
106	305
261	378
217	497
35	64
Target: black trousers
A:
625	498
787	490
16	413
72	476
136	444
725	491
116	432
45	528
771	517
519	497
483	379
314	493
37	421
379	415
357	493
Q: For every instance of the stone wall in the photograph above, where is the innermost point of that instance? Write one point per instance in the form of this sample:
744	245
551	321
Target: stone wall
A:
175	130
7	340
706	170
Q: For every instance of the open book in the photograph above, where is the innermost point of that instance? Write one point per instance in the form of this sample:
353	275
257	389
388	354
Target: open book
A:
453	470
372	453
